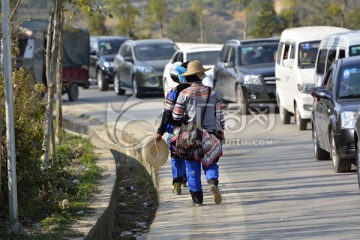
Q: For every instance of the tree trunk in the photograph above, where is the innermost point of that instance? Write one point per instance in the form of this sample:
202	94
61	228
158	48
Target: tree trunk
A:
58	110
1	129
51	57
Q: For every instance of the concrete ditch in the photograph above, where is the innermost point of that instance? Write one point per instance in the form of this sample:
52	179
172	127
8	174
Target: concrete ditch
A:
98	222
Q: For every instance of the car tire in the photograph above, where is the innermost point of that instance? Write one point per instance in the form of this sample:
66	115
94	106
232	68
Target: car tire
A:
320	154
73	92
339	164
301	123
240	100
101	81
135	88
284	115
86	85
118	90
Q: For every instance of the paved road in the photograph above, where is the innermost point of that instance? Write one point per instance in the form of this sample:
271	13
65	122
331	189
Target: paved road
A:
272	187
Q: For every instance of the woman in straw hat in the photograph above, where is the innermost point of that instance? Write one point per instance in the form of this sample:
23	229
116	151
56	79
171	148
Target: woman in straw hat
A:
166	125
188	108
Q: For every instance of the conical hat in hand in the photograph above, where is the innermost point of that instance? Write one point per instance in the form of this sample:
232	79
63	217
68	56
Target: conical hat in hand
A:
155	153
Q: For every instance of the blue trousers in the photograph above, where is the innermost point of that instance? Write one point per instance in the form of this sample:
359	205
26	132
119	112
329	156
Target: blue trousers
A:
193	173
178	167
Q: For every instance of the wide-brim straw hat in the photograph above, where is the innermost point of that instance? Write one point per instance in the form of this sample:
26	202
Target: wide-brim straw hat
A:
155	153
194	67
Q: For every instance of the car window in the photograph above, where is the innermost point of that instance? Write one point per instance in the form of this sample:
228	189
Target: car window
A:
354	50
110	46
154	51
258	53
307	54
349	86
279	54
330	58
223	54
328	81
206	57
320	68
125	51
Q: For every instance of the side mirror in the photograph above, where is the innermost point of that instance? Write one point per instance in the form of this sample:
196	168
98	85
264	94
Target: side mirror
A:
289	63
322	93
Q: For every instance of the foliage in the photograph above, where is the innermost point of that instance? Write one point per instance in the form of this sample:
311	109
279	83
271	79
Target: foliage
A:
97	25
183	28
266	24
74	177
126	15
157	10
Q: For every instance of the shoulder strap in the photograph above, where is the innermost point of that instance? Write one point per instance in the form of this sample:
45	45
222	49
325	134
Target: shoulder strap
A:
207	101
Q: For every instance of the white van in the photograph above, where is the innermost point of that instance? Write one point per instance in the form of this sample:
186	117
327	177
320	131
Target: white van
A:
294	71
333	47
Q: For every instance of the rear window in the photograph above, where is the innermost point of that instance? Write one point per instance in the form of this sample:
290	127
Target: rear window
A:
307	54
354	50
154	52
206	57
258	53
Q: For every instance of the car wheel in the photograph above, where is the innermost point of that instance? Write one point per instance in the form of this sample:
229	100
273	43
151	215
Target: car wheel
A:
86	85
320	154
240	100
73	92
339	164
301	123
118	90
135	88
101	82
284	115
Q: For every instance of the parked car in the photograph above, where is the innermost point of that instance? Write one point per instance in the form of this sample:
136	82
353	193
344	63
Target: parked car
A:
335	109
102	53
139	65
357	146
333	47
245	72
295	69
206	55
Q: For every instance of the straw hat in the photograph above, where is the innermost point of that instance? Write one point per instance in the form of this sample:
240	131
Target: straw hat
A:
155	153
194	67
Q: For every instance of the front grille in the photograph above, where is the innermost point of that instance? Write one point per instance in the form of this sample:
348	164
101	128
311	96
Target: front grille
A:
351	146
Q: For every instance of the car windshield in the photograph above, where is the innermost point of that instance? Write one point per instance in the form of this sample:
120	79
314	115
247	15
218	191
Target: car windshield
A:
154	51
258	54
110	46
206	57
349	80
307	54
354	51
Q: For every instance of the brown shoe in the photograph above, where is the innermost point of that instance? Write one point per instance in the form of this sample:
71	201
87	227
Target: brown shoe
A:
216	194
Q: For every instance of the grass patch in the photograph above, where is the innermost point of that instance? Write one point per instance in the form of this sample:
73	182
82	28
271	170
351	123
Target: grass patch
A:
74	178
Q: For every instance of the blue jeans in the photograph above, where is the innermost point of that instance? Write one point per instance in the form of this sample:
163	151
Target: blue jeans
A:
178	167
193	173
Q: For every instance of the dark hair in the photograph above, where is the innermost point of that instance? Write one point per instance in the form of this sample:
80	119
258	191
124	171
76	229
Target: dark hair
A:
185	64
192	78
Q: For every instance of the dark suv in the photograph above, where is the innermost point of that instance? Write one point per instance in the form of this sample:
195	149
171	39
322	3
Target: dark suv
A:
102	52
245	72
139	65
336	107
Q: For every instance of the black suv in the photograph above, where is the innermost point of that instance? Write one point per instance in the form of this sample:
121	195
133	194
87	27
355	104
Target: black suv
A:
139	65
245	72
102	53
336	107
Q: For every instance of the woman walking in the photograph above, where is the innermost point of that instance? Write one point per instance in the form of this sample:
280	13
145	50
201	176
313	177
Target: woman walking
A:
189	108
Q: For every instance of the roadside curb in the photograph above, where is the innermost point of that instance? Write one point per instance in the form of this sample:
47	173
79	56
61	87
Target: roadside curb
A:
98	222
